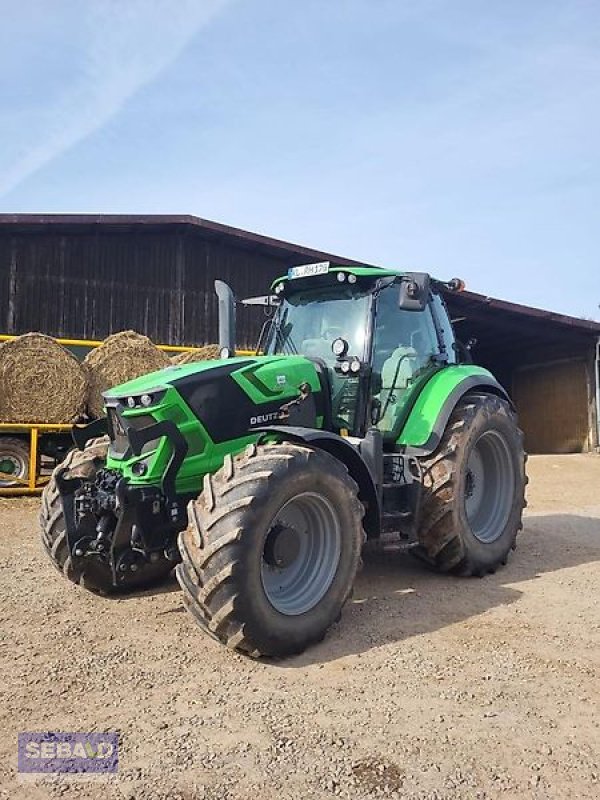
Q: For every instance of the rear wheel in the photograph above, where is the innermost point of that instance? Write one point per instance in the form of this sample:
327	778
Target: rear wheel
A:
14	462
272	549
474	487
92	573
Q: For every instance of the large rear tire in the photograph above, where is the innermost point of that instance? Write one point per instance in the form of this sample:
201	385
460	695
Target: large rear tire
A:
474	489
272	549
93	574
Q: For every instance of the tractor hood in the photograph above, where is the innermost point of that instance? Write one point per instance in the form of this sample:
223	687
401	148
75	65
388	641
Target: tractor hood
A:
225	388
160	380
215	406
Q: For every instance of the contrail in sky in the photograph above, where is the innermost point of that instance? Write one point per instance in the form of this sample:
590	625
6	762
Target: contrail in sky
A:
124	46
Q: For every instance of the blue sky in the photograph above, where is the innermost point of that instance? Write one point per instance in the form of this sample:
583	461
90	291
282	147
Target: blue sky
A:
454	136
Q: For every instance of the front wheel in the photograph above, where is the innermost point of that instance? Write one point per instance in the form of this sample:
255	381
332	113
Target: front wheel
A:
473	489
272	549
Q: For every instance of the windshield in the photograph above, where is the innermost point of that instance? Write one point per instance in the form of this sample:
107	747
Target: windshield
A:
308	323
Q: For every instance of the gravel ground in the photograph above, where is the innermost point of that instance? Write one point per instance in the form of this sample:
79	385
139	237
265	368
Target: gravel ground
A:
430	687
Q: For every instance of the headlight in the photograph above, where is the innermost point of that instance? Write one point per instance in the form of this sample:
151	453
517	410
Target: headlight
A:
144	400
339	347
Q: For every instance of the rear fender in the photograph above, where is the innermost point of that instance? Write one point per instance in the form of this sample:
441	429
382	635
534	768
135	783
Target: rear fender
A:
342	449
426	423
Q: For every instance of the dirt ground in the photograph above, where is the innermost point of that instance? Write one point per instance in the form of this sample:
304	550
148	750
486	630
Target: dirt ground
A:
429	687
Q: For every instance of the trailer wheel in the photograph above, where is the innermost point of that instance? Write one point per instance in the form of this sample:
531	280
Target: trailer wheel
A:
96	576
14	461
272	549
474	489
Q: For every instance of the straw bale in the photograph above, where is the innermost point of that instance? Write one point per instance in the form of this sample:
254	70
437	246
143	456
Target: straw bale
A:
40	381
206	353
120	358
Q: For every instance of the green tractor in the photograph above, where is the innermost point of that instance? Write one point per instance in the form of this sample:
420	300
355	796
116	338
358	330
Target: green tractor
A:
261	478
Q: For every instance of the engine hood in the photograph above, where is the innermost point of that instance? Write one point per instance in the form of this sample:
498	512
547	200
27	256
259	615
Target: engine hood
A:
229	396
217	406
164	378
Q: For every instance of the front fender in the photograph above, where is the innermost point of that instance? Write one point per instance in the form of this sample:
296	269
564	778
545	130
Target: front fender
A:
343	450
429	416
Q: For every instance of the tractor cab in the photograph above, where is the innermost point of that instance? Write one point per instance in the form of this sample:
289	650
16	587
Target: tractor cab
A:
379	334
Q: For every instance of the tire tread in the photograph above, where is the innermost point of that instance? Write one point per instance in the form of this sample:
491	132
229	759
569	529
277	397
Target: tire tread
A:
211	546
441	544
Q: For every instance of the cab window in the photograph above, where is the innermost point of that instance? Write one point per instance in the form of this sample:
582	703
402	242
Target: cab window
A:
438	307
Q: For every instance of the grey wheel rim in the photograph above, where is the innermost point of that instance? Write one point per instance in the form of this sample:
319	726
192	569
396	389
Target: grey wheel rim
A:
308	531
12	464
489	486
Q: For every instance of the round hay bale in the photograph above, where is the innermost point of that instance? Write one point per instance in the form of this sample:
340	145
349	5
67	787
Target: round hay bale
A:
120	358
206	353
40	381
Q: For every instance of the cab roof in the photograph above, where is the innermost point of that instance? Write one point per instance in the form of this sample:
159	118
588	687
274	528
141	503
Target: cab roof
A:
358	271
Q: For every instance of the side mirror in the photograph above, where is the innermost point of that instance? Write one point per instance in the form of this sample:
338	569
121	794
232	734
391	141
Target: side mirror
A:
414	291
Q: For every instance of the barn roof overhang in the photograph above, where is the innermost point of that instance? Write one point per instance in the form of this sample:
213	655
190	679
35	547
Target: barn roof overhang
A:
510	330
207	229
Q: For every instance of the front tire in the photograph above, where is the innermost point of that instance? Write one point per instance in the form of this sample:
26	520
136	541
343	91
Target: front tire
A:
474	489
272	549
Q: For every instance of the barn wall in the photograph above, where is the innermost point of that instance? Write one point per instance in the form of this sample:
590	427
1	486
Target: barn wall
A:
88	285
87	281
547	367
553	389
553	404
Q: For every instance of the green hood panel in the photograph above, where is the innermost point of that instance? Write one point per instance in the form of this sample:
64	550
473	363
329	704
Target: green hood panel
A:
215	405
167	377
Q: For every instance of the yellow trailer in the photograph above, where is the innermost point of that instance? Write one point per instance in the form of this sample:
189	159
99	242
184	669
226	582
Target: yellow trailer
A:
20	472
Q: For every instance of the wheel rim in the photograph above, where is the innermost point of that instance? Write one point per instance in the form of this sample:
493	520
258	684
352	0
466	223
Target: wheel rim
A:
12	465
489	486
301	554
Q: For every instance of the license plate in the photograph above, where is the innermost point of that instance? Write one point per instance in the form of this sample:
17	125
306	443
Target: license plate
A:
308	270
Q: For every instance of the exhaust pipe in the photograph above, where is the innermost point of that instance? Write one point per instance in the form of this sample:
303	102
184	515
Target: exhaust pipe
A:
226	318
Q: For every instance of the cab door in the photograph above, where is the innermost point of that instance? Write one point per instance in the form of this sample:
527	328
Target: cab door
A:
406	353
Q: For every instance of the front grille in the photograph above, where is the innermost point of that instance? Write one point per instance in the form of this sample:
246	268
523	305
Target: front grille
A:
118	438
119	445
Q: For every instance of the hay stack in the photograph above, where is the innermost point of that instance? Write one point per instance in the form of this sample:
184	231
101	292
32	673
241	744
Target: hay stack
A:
206	353
120	358
40	381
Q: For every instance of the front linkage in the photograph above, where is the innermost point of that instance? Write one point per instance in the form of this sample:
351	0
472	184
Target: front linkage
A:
117	532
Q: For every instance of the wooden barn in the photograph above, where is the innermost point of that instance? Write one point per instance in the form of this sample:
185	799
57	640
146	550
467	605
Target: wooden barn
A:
85	276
